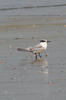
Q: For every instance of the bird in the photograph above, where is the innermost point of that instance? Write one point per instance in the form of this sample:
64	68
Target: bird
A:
37	49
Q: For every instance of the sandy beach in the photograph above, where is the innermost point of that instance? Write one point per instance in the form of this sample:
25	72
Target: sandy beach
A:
21	76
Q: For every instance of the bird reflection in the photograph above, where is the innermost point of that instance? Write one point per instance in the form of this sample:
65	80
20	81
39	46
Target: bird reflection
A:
43	64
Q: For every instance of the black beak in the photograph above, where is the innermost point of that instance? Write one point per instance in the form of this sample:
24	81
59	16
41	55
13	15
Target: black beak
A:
48	41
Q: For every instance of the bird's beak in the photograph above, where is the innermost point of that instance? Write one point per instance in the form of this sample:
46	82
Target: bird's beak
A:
48	41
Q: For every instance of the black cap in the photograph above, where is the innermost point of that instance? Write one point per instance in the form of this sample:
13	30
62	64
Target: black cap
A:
43	40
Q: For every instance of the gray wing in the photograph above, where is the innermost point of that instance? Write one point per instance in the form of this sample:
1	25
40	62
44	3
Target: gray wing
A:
36	49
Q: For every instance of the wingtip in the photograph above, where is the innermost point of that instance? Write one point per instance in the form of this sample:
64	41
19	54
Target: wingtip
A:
20	49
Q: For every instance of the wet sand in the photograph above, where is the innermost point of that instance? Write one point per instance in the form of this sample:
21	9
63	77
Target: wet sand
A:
21	76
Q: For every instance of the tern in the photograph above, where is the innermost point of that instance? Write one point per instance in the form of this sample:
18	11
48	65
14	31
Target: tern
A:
37	49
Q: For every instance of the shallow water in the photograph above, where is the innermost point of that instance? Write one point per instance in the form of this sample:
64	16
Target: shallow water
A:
21	76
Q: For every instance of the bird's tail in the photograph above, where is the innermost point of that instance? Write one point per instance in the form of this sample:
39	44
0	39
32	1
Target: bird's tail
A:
21	49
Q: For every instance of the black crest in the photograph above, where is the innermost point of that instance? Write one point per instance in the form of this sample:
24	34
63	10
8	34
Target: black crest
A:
42	40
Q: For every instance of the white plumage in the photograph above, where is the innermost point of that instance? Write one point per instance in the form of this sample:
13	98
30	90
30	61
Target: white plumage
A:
37	49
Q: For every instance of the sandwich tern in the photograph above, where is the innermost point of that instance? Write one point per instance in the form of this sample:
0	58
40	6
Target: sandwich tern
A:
37	49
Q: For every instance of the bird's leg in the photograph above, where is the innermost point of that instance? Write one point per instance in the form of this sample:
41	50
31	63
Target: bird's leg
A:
35	55
39	55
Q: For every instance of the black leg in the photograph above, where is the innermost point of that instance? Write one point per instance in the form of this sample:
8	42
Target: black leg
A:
39	55
35	55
